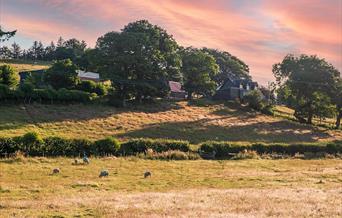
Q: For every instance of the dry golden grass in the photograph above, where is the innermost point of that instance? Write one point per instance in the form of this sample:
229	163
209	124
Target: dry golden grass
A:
246	188
176	120
21	65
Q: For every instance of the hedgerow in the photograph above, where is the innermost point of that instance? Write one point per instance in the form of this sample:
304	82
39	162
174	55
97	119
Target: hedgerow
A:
31	144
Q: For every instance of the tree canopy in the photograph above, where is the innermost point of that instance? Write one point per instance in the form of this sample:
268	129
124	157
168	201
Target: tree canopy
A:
228	65
199	68
62	74
308	82
139	60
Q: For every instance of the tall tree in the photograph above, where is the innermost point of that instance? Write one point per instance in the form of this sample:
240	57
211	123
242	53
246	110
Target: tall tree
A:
15	50
36	52
228	65
306	78
139	60
60	42
198	68
50	51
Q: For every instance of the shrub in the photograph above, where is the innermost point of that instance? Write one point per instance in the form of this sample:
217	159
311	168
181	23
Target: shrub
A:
107	146
87	86
141	145
170	155
62	74
101	89
222	149
8	146
8	76
32	143
57	146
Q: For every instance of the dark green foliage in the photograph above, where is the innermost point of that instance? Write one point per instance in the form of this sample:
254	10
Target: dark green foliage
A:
198	68
107	146
136	146
92	87
308	85
8	146
228	64
8	76
227	149
32	144
139	60
255	99
62	74
170	155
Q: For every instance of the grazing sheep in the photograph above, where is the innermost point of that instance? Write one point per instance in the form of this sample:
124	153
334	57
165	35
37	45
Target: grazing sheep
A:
86	160
104	173
55	171
76	162
147	174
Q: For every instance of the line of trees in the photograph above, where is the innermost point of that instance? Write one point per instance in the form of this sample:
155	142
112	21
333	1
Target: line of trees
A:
140	59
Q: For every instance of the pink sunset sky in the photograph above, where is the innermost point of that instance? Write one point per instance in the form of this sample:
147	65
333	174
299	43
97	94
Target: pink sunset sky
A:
260	32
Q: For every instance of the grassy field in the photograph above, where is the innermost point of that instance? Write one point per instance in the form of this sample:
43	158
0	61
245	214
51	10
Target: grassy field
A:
285	188
26	65
175	120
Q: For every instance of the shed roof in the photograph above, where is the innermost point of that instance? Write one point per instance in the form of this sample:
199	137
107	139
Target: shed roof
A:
89	75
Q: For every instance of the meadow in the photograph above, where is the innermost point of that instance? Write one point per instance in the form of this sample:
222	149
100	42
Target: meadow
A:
173	120
202	188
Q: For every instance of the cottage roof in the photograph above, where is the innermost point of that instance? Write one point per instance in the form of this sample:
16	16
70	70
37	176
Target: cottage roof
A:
175	86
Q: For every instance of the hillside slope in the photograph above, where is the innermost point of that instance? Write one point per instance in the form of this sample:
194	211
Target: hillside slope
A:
176	120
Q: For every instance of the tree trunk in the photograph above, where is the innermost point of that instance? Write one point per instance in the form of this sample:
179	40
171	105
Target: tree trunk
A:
189	95
338	119
310	116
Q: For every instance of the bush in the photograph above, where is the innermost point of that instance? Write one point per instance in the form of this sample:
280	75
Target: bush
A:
222	149
87	86
8	146
62	74
136	146
170	155
8	76
32	144
107	146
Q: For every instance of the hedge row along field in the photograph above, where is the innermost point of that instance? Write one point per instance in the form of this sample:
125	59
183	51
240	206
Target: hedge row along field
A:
31	144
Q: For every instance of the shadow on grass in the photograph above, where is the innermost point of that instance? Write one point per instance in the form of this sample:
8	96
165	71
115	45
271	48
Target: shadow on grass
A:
17	116
201	130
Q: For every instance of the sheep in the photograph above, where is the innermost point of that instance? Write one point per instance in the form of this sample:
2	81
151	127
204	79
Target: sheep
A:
104	173
86	160
56	170
147	174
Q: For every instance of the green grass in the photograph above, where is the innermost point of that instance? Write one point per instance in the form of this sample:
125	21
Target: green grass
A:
29	189
174	120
